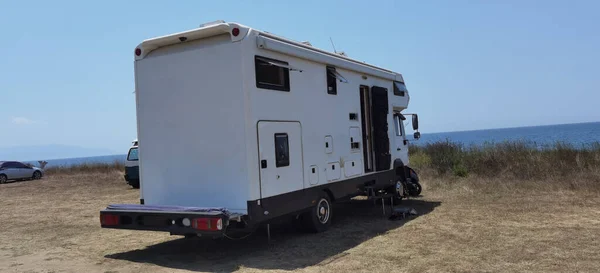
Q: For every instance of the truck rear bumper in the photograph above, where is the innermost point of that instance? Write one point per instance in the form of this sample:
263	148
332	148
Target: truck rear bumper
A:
175	220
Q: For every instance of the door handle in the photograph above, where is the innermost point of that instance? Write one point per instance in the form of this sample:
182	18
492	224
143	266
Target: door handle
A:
398	149
263	164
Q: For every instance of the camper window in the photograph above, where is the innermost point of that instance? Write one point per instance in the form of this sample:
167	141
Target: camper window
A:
331	81
282	150
272	74
400	89
333	73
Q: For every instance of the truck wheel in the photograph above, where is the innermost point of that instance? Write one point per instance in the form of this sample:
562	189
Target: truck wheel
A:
135	184
415	189
318	219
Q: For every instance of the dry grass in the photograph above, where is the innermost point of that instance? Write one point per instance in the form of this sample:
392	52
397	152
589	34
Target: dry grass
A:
473	224
86	168
560	163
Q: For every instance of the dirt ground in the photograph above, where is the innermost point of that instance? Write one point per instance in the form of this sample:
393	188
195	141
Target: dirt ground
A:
52	225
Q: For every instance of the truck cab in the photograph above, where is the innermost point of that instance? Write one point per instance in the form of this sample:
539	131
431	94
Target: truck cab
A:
132	171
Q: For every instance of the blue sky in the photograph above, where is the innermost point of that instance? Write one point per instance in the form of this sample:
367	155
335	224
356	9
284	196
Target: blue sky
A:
67	66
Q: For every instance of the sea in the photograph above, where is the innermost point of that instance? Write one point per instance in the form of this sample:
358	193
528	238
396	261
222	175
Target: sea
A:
578	135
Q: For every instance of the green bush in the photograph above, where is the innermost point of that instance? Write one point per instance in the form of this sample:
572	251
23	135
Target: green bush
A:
507	159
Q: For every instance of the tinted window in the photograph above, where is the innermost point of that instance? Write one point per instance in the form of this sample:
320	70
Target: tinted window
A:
133	154
272	74
331	81
282	150
10	165
399	89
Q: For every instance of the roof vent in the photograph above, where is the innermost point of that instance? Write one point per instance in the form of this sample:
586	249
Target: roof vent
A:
212	23
307	43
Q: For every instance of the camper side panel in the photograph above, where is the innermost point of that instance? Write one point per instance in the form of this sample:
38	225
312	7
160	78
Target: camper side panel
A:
191	125
328	155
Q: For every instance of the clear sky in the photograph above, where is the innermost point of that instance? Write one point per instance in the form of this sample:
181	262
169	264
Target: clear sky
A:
67	66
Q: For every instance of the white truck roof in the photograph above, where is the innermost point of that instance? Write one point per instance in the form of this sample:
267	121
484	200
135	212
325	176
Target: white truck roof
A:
265	40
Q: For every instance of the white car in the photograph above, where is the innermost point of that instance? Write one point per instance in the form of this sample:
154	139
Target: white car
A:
13	170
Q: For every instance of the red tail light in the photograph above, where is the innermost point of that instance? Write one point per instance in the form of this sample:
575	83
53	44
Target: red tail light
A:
212	224
235	31
109	219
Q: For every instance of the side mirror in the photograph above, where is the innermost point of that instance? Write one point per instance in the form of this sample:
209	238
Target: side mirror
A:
417	135
415	122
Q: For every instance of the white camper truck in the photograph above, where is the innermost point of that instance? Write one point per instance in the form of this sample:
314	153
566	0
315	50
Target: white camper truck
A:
240	126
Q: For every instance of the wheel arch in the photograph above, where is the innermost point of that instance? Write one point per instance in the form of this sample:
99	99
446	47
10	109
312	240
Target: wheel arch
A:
330	194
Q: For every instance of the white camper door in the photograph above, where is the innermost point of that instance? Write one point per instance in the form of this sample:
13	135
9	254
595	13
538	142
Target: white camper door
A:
280	152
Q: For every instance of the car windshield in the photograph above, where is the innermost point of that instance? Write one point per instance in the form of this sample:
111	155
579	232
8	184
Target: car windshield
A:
133	154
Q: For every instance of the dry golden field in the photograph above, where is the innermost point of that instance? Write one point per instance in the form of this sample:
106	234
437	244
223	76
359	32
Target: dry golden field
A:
465	225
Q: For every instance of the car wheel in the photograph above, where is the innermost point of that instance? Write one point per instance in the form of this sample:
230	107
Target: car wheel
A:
3	178
37	175
318	219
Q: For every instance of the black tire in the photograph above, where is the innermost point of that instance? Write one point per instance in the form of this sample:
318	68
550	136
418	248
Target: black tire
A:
135	184
3	178
318	218
36	175
415	189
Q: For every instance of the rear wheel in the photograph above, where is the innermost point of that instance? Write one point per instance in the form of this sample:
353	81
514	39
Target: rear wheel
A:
3	178
37	175
318	218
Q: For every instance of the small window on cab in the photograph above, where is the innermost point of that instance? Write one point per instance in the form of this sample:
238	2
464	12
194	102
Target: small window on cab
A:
272	74
398	124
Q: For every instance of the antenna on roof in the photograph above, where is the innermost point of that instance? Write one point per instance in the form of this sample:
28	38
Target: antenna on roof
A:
332	44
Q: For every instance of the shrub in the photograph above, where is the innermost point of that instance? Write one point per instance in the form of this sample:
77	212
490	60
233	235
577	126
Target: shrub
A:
517	159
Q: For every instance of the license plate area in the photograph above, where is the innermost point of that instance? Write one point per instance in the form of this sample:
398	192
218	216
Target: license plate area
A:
155	221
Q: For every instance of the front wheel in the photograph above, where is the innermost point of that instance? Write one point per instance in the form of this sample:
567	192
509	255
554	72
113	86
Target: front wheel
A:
36	175
318	218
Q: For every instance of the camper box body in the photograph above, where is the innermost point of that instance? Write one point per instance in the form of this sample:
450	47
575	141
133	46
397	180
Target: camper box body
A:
253	122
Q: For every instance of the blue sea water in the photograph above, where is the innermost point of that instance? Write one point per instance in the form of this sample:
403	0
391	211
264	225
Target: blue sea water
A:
65	162
578	135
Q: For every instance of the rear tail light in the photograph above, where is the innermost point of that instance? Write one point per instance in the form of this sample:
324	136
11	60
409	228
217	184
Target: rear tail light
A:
211	224
235	31
109	219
